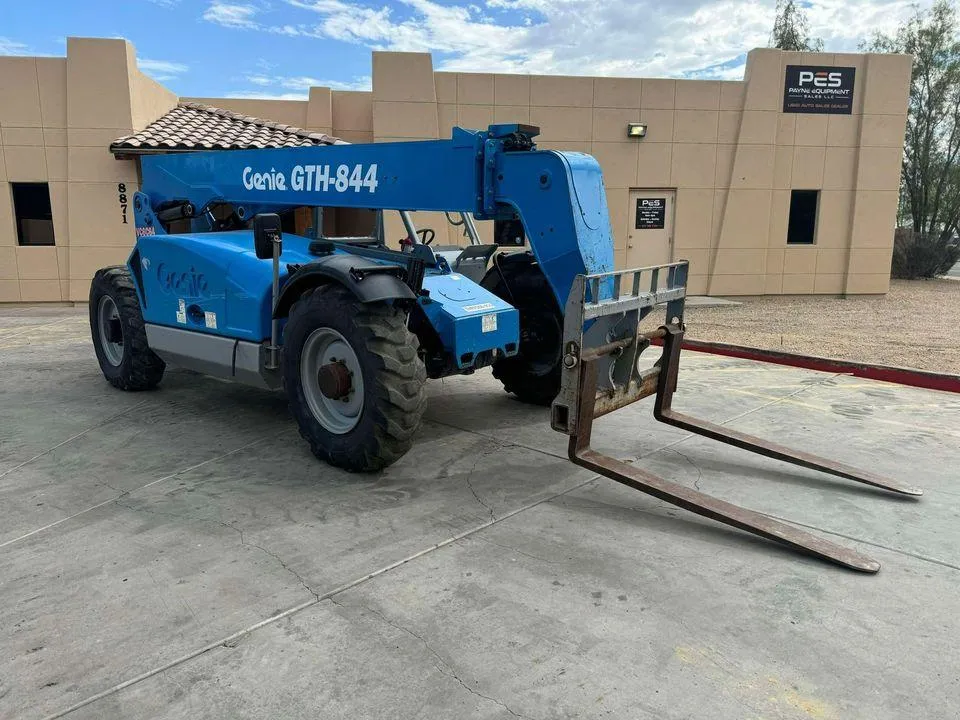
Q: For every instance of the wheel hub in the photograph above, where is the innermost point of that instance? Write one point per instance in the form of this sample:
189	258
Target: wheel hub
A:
115	332
334	380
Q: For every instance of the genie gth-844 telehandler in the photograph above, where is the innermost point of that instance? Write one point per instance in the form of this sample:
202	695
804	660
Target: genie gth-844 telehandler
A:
351	330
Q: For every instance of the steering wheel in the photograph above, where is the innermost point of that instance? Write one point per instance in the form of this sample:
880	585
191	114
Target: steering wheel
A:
427	235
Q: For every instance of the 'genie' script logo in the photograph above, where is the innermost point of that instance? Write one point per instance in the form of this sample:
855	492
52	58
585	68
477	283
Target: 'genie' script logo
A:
272	180
190	284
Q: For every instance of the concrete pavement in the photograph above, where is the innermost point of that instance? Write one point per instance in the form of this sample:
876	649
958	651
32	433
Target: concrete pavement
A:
180	554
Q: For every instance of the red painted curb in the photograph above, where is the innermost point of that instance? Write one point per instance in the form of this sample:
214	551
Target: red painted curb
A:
885	373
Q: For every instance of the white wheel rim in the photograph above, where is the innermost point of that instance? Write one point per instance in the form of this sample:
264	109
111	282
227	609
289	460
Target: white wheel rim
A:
107	315
326	345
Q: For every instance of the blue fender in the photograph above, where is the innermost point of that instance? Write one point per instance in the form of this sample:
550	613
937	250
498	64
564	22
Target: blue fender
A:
364	278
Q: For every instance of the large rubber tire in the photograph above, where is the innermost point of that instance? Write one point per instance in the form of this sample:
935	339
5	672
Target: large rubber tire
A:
393	377
133	365
533	374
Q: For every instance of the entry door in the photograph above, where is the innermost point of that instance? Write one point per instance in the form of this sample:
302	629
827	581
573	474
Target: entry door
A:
650	227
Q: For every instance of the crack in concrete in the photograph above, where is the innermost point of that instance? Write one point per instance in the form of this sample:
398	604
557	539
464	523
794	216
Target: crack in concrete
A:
696	483
120	491
442	666
283	564
483	454
243	541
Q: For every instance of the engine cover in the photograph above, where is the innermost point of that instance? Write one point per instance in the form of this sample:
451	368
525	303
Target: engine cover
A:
469	320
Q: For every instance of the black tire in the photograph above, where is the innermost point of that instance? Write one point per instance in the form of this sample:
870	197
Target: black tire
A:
393	376
533	374
138	368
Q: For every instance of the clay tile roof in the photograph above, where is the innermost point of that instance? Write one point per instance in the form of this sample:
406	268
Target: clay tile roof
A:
195	126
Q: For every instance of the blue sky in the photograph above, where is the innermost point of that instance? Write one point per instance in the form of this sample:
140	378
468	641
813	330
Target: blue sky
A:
279	48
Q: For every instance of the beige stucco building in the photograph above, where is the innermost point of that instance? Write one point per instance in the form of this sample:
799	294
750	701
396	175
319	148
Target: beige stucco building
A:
761	201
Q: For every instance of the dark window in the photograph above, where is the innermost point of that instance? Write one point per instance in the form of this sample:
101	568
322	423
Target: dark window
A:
31	205
803	217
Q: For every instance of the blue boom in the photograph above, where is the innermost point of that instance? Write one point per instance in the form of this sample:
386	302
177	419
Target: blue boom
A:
558	196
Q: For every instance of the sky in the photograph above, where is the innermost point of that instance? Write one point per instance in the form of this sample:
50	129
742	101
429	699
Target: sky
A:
279	48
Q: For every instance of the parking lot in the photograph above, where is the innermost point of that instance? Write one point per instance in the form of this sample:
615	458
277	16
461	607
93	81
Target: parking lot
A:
180	554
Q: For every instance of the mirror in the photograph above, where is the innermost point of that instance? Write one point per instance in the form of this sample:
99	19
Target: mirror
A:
266	232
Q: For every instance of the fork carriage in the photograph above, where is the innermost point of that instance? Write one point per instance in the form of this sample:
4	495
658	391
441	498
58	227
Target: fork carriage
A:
602	347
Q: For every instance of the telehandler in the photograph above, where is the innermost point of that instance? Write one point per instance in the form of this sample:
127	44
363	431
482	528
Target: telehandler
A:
351	329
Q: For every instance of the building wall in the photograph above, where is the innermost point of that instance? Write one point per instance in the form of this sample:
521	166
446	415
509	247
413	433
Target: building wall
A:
56	128
33	136
725	148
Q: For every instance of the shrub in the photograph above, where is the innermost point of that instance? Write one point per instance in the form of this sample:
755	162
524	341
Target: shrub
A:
922	256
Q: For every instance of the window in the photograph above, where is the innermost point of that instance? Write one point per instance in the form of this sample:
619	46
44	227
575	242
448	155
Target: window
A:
803	217
31	206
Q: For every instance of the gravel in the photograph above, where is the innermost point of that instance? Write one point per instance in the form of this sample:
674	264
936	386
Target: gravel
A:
916	324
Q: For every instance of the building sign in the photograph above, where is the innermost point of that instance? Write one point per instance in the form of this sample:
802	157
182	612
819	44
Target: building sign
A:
817	89
651	213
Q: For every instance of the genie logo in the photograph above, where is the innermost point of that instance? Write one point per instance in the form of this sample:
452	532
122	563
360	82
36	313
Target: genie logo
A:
272	180
190	284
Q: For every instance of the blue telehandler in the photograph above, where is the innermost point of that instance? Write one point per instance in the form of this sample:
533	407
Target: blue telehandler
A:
351	329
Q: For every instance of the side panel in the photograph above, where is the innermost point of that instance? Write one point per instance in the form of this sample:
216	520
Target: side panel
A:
212	283
221	357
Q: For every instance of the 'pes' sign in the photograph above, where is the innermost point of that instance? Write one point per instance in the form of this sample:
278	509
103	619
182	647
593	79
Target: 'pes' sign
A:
818	90
651	214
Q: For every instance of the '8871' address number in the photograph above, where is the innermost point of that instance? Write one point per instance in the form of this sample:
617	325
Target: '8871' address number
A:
314	178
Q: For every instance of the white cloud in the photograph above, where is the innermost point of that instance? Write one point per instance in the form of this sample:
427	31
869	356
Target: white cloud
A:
576	37
683	38
166	3
231	15
258	95
161	70
284	87
12	47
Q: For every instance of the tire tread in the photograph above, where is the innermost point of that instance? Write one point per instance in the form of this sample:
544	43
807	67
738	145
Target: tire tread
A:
141	368
401	380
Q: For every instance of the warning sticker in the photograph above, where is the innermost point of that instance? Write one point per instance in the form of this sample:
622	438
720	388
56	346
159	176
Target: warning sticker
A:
182	313
488	323
477	308
210	318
